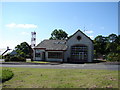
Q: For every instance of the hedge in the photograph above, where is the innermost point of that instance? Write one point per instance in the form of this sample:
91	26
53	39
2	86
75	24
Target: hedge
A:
6	75
15	58
114	57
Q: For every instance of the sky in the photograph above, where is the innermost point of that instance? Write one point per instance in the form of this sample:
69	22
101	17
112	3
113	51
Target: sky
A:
19	19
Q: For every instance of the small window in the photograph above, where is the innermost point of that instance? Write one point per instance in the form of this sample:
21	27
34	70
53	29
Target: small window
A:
78	37
56	42
37	51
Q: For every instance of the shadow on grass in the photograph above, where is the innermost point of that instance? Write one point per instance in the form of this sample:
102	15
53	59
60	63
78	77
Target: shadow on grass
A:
94	62
98	61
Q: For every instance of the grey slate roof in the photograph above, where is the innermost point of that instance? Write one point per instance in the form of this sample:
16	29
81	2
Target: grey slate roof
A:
52	45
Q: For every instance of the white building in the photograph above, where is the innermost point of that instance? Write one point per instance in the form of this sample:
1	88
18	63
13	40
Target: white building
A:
78	48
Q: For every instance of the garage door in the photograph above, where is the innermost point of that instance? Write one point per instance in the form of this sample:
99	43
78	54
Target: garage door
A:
79	53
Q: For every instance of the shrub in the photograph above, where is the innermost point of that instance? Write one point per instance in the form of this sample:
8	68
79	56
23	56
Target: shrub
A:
113	57
6	75
15	58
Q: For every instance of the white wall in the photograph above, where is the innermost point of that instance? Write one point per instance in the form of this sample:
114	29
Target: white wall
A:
84	40
38	51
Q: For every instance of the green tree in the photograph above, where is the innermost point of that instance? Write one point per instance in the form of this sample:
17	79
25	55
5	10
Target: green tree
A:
108	46
112	44
100	43
112	37
24	50
58	35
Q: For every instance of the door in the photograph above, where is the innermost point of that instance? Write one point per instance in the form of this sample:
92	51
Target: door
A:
79	53
43	55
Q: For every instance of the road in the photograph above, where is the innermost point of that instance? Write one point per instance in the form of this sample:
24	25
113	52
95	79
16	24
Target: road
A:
1	60
68	66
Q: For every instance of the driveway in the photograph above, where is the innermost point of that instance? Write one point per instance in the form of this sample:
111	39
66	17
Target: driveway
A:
68	66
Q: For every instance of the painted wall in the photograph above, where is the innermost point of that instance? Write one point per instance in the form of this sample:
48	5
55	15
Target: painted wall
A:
38	51
84	40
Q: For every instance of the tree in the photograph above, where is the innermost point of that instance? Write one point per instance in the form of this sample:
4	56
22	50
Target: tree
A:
113	57
100	43
58	35
108	46
112	44
118	44
24	50
113	47
112	37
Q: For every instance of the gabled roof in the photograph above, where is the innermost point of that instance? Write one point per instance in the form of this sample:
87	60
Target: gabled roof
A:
13	52
82	33
56	44
52	45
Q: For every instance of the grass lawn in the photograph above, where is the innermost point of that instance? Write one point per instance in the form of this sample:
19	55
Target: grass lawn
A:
61	78
37	61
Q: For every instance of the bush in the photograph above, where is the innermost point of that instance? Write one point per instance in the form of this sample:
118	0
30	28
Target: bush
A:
15	58
113	57
6	75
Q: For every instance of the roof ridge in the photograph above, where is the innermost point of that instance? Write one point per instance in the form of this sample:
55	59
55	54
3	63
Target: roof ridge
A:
82	33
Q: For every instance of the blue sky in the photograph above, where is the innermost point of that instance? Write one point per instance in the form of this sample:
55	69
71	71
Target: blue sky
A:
19	19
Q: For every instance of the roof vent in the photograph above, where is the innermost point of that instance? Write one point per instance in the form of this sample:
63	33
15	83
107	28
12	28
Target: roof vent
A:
62	42
56	42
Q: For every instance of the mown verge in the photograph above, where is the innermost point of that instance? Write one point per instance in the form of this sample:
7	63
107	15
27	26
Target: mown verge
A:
61	78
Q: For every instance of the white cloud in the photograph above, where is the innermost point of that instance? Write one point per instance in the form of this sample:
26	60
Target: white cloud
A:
88	31
12	25
92	37
25	33
27	26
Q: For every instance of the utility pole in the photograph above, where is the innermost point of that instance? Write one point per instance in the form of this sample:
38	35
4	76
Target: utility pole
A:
5	51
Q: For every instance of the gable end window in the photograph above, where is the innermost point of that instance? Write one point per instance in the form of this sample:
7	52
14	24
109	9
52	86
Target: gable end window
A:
78	37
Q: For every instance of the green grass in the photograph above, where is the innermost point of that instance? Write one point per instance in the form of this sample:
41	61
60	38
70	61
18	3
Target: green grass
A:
61	78
39	62
0	56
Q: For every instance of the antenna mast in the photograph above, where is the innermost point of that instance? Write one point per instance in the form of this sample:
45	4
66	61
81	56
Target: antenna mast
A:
85	29
33	39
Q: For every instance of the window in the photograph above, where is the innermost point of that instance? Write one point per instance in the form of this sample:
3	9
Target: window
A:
79	52
37	55
58	55
78	37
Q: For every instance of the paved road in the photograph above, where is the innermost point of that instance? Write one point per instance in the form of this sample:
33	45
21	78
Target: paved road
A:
1	60
68	66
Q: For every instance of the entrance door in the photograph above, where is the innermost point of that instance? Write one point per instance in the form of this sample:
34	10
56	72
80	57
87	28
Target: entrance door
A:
43	55
78	53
